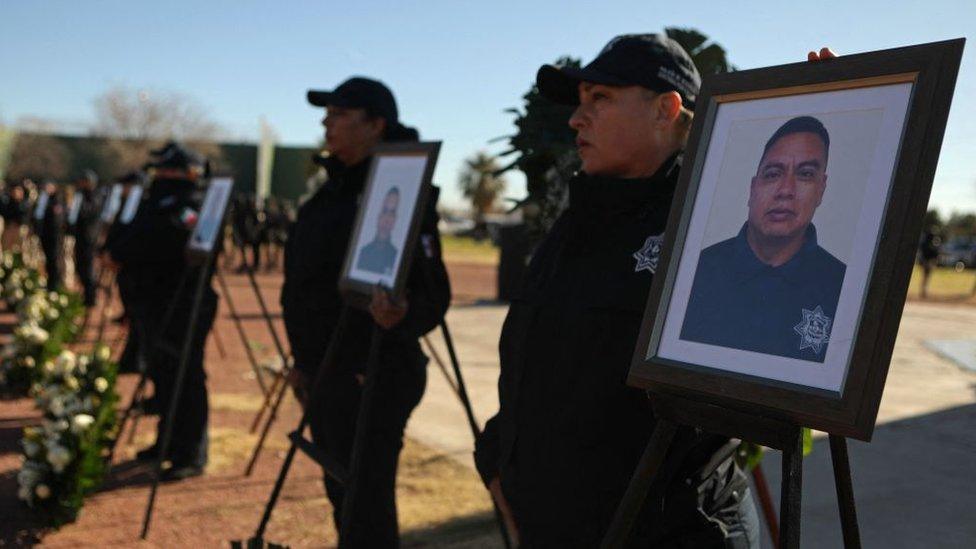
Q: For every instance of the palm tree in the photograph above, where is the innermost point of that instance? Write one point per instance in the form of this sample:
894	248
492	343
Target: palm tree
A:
481	183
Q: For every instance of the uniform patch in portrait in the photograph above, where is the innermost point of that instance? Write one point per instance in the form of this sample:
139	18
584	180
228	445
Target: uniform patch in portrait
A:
814	330
647	256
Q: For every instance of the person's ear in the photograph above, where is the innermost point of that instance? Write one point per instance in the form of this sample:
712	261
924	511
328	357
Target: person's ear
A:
378	128
668	107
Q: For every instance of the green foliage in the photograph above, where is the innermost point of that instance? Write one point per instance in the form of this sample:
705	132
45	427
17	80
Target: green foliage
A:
480	183
748	455
64	458
709	57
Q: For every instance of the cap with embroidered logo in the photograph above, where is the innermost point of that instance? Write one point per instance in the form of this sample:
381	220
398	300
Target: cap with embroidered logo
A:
652	61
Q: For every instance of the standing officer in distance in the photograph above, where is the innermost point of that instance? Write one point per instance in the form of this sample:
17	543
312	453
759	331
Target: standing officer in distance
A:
153	249
50	227
85	231
569	433
360	113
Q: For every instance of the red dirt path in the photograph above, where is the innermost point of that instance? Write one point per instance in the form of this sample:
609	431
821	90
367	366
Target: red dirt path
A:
222	505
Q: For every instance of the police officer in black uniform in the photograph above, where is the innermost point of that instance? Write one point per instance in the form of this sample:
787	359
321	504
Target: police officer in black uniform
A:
569	433
360	113
85	231
772	289
50	228
129	361
153	249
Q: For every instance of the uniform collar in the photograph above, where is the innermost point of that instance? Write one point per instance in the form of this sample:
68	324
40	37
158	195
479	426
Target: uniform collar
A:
346	179
602	195
747	265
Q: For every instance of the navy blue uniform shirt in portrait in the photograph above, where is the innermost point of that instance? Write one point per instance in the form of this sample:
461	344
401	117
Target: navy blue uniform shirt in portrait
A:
377	257
738	301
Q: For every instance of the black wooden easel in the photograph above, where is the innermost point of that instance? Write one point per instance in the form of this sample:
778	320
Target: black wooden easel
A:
332	467
202	272
239	326
148	344
199	262
672	412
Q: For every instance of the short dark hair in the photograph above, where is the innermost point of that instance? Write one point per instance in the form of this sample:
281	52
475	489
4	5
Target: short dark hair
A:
393	190
800	124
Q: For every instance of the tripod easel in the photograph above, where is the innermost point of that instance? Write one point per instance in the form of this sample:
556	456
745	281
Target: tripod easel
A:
672	411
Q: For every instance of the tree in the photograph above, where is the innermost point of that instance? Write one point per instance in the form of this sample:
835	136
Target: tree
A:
36	154
709	57
135	121
480	183
933	222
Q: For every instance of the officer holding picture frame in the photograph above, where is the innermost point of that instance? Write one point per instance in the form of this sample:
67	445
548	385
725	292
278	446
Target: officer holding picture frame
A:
559	454
360	114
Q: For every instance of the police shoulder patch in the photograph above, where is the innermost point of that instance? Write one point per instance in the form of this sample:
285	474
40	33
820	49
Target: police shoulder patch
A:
647	256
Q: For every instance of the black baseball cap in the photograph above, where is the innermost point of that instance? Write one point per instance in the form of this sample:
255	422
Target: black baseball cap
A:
359	93
652	61
174	156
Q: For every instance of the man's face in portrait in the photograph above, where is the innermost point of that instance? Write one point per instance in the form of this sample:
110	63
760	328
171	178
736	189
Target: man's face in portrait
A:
387	218
788	186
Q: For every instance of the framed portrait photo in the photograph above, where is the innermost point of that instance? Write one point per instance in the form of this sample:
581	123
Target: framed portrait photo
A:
207	230
112	204
793	234
390	212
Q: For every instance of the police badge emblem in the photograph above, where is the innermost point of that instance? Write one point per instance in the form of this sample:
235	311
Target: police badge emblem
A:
649	254
814	330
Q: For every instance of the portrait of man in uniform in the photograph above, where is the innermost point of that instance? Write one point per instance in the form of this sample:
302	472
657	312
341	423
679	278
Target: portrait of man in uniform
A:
772	288
379	256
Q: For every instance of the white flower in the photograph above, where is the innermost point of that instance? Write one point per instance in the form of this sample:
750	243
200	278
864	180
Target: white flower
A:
101	384
24	493
81	422
31	448
42	491
52	296
29	361
28	475
53	314
66	362
71	382
63	300
56	406
59	457
103	353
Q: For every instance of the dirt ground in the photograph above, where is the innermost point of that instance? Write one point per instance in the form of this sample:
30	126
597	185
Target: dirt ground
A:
441	503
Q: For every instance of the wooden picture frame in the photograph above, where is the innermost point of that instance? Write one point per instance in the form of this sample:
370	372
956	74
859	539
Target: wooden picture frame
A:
928	73
416	161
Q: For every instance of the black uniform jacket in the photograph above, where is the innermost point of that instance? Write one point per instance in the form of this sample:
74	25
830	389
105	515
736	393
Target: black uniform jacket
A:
569	431
314	256
85	228
151	249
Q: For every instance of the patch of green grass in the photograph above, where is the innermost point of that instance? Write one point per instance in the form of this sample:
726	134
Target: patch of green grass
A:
460	249
945	282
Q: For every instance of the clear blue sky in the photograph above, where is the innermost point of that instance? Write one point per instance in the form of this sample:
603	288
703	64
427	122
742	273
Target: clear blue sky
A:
453	65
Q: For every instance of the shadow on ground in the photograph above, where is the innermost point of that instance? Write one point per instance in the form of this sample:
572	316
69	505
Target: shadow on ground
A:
913	485
477	530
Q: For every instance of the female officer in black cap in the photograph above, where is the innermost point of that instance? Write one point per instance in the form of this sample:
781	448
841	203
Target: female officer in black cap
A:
360	113
569	433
